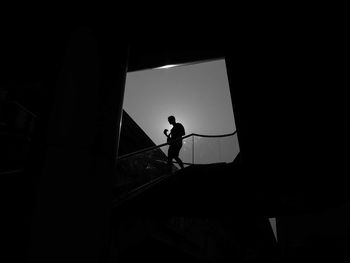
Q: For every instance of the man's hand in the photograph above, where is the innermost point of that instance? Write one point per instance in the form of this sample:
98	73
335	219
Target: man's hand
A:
166	132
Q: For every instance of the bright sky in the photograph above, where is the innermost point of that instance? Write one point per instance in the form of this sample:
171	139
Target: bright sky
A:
197	95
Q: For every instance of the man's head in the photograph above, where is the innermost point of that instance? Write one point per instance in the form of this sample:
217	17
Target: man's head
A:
171	120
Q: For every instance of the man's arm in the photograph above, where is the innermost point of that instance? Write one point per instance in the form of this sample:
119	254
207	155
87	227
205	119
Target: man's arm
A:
166	133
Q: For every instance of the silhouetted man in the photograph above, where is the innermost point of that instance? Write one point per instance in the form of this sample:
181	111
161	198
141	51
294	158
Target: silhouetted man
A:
175	141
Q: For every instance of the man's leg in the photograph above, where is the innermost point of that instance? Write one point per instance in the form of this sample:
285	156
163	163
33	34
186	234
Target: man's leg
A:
170	163
179	162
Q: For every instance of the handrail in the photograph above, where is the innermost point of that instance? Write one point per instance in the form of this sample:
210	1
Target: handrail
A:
24	109
133	192
138	190
11	172
164	144
214	136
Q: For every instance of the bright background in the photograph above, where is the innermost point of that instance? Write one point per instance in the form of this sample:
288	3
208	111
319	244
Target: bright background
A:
198	95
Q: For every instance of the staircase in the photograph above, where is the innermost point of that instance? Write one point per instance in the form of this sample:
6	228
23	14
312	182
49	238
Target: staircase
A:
199	214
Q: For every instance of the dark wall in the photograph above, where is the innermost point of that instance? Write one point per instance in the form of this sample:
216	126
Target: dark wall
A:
72	78
290	110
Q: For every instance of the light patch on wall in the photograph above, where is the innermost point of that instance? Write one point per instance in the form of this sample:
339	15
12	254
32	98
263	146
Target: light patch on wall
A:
273	226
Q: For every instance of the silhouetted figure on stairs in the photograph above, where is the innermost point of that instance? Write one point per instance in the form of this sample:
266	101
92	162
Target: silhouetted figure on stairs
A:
175	141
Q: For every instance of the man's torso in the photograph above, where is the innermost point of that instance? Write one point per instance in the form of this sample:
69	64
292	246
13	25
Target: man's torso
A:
177	132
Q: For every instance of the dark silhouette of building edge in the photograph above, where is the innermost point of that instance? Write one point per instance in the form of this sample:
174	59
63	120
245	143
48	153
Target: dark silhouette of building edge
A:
141	168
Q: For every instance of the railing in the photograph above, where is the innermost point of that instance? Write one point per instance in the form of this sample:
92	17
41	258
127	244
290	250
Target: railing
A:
144	167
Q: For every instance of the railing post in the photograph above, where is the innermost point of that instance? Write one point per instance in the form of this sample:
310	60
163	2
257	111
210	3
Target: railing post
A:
192	149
